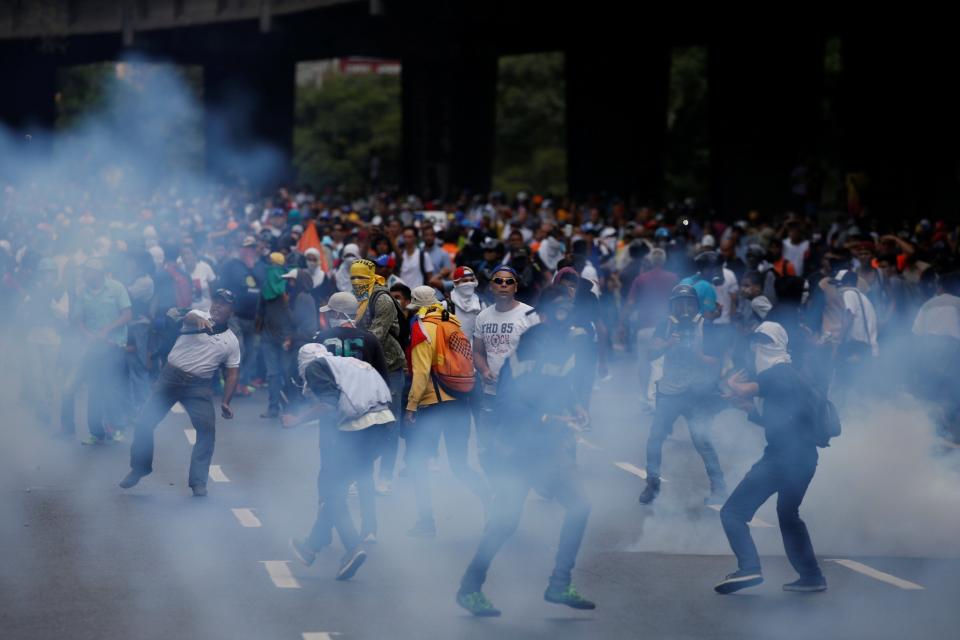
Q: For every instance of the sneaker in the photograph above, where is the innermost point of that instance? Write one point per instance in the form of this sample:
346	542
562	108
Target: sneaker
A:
807	585
738	580
370	538
199	490
567	595
92	441
477	604
423	529
651	491
119	437
303	553
350	563
132	479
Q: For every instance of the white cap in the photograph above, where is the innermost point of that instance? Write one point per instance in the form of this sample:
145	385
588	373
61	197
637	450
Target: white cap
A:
343	302
422	296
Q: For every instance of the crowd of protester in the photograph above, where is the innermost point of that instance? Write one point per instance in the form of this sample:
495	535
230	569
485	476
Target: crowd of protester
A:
97	291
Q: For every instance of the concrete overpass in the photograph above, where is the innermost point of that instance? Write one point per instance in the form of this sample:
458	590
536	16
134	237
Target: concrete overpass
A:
766	83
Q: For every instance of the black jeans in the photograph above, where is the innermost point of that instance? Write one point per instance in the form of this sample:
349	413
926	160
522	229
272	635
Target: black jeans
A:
788	474
391	437
551	475
347	457
452	420
195	394
698	410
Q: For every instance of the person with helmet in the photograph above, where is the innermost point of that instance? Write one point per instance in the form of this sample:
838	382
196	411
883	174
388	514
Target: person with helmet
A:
688	387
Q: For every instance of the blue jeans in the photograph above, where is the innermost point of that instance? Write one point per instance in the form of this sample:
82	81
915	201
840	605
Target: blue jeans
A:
788	474
275	359
551	475
698	410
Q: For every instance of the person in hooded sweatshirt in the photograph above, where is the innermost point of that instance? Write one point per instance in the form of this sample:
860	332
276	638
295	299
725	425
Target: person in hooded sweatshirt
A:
782	402
359	402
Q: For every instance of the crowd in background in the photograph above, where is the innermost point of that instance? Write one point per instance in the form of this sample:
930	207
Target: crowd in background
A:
93	285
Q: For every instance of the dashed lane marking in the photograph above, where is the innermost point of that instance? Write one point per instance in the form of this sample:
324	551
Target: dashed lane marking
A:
279	572
191	435
588	444
246	518
635	470
178	408
756	522
876	574
217	474
320	635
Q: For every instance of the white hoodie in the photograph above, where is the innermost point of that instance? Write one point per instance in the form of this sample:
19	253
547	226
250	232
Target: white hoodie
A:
364	396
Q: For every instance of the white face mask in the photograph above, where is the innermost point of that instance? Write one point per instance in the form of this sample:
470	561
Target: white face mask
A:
467	288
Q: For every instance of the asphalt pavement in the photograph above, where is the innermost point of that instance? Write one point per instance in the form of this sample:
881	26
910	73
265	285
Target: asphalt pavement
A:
81	558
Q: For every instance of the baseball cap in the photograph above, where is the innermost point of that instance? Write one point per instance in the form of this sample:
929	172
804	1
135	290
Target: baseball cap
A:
343	302
249	241
463	272
422	296
291	275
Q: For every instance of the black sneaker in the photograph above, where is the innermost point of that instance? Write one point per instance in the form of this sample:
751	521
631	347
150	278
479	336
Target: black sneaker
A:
477	604
738	580
423	529
567	595
350	562
132	479
651	492
199	490
807	585
303	553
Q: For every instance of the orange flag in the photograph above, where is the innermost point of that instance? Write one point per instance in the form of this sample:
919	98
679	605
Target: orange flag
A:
311	239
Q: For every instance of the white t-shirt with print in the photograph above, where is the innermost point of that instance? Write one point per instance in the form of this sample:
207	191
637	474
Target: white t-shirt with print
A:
500	332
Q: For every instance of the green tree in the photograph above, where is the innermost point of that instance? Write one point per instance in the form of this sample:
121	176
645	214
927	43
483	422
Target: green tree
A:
342	126
531	119
688	136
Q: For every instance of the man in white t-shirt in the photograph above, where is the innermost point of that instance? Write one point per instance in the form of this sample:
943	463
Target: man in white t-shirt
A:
201	276
796	248
940	315
416	267
860	318
727	296
496	334
204	345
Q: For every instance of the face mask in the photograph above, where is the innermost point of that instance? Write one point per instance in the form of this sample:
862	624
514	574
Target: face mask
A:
467	288
361	291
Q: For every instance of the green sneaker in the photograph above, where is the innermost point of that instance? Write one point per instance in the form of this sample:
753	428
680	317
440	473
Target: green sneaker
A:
477	604
119	437
92	441
567	596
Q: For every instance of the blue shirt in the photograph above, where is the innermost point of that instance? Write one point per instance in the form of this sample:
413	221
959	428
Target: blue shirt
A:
706	293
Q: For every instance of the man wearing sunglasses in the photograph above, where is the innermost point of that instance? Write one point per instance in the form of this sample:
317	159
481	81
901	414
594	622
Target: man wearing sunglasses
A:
203	346
496	334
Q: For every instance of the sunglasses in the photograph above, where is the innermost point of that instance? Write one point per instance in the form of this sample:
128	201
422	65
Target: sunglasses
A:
504	281
226	295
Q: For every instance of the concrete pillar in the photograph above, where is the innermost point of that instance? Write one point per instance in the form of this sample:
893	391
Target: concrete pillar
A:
30	80
249	114
448	106
899	114
616	117
764	95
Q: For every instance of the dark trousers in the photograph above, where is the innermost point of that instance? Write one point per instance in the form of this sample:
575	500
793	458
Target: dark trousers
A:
195	395
391	438
553	477
277	362
347	457
698	410
452	420
788	475
103	371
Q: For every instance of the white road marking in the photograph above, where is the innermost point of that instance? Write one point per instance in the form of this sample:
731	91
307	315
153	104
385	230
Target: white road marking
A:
279	572
217	474
588	444
246	517
637	471
859	567
191	435
320	635
178	408
756	522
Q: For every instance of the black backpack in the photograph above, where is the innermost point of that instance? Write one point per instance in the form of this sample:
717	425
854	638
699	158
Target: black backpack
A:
825	420
403	335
